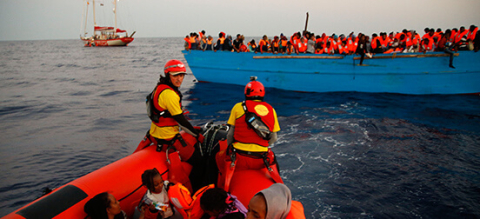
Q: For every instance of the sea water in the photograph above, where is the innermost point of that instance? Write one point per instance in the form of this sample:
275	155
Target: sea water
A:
67	110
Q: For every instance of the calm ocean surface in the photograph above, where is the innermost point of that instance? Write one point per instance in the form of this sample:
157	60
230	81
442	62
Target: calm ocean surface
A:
67	110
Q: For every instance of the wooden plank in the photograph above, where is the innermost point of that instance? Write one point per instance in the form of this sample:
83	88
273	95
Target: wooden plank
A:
406	56
298	57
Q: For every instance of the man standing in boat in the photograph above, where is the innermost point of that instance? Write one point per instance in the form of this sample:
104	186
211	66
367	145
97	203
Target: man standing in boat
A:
253	127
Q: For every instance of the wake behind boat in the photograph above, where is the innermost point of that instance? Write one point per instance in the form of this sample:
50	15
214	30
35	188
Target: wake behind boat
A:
405	73
105	35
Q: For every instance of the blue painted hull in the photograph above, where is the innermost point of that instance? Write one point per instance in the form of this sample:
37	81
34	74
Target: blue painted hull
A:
413	73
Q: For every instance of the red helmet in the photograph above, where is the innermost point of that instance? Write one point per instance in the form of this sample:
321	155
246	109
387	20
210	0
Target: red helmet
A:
175	67
254	90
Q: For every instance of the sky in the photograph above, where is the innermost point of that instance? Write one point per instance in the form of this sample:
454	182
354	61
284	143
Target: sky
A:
62	19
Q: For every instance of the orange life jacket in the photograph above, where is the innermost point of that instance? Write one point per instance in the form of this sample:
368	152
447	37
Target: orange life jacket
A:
460	36
244	134
192	39
342	49
222	39
471	34
408	42
275	44
302	46
209	42
452	36
385	42
188	206
187	39
352	45
416	39
262	44
296	211
164	121
374	42
428	47
284	43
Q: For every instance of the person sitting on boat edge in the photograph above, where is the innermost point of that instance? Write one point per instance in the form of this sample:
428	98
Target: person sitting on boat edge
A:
275	202
237	43
253	127
105	206
216	203
209	45
164	107
156	197
220	41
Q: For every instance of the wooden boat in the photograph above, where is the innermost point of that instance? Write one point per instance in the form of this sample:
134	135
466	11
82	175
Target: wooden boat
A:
405	73
123	179
104	35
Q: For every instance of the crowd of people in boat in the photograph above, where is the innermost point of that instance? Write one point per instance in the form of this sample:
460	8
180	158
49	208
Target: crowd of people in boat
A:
406	41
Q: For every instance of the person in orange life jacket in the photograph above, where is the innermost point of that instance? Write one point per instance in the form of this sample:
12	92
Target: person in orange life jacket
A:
165	132
243	47
275	45
461	39
187	42
472	33
352	44
328	49
289	48
156	197
283	43
376	44
220	41
216	203
342	48
385	41
209	44
301	45
248	144
263	44
168	99
427	33
427	45
294	41
194	41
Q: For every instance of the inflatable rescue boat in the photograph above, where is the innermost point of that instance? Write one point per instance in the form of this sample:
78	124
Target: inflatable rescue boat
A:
123	179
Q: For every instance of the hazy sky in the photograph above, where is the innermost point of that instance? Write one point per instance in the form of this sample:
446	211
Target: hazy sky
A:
62	19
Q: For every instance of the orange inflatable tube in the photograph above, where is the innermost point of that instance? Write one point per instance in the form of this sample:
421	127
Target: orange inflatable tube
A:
121	178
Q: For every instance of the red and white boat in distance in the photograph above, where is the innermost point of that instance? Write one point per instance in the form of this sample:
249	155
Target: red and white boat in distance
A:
105	35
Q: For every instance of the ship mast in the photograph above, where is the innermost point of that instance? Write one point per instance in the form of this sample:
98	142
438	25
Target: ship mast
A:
115	11
94	20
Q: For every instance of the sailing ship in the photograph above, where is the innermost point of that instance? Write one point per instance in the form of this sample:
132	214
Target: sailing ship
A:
104	35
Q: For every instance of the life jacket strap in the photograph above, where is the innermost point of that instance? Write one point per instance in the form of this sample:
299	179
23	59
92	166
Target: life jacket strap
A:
170	143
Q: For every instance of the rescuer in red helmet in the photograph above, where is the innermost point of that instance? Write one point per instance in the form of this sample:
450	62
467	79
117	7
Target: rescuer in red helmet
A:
253	127
164	107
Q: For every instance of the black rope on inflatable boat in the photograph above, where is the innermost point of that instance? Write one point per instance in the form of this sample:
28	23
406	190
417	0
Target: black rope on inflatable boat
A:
131	193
